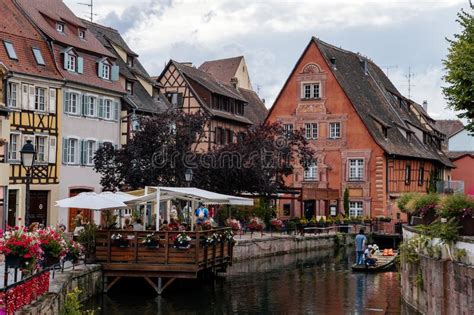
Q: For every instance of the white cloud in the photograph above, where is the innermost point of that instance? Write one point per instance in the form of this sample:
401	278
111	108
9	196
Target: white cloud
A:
265	32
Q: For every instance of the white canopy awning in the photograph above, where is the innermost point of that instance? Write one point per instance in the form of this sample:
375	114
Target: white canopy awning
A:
95	201
192	193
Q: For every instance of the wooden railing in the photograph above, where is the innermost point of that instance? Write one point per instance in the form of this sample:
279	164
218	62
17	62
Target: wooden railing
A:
135	255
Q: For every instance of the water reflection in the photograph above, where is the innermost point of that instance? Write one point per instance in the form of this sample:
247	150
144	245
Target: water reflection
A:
306	283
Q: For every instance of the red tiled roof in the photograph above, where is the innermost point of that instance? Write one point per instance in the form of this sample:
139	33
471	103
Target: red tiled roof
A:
89	76
46	13
222	69
16	28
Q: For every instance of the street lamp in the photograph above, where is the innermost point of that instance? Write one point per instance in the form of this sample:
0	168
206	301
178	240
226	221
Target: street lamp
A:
188	176
28	156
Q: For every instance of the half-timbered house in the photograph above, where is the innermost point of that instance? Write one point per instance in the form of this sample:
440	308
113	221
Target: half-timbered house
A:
143	97
194	90
4	139
368	138
91	94
33	96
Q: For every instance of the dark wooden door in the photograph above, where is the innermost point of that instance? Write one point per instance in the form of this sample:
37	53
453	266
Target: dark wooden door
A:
38	207
86	213
309	209
12	201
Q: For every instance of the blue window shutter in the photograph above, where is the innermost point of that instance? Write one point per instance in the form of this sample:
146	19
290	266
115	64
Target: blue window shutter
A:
116	111
115	73
101	108
65	61
100	65
80	65
65	149
67	102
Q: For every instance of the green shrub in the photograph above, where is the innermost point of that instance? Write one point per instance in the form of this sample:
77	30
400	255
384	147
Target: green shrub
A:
404	200
455	206
426	204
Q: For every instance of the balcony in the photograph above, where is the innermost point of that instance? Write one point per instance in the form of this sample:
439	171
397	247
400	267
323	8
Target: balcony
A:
450	187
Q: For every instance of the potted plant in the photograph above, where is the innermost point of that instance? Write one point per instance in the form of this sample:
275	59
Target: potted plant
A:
321	222
119	241
87	240
53	244
151	241
367	220
291	226
461	207
277	224
182	241
229	237
21	249
329	221
74	251
425	206
234	224
206	225
313	222
256	225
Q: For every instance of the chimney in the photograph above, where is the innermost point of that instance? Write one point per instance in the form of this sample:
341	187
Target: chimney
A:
333	62
425	105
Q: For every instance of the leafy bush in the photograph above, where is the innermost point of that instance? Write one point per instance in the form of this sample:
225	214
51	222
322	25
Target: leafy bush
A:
425	204
458	205
404	200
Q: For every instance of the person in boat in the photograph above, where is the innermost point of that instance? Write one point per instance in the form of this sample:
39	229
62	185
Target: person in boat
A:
369	259
360	246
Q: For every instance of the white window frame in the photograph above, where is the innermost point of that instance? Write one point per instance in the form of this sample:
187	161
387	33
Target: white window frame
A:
106	69
40	100
311	131
45	149
77	103
311	174
91	106
38	56
288	129
356	208
13	95
335	133
71	62
16	150
74	154
11	52
356	169
90	154
108	104
311	90
60	27
81	33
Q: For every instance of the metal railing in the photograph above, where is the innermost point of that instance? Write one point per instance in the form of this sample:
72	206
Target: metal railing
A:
450	187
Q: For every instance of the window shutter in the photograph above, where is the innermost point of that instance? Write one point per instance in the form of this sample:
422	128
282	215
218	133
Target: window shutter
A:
65	149
80	65
100	65
52	150
83	152
67	102
52	100
84	105
114	73
65	61
9	96
101	108
24	96
31	97
116	111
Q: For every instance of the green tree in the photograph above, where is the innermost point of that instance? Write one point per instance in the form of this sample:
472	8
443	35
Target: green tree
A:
460	69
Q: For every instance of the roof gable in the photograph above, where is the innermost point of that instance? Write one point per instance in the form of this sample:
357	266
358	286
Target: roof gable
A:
222	69
450	127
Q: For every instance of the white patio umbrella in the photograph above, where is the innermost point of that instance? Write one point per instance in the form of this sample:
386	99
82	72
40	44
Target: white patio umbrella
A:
91	200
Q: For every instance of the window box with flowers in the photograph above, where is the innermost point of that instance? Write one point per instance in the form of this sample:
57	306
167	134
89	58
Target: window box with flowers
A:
151	241
119	241
182	241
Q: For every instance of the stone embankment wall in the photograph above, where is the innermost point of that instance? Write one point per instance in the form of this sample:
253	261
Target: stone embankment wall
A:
438	286
284	244
87	278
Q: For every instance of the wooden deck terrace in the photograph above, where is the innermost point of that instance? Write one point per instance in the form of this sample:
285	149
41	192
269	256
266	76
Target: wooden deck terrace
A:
134	259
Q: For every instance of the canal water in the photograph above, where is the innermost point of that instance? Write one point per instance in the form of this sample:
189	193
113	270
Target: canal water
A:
318	282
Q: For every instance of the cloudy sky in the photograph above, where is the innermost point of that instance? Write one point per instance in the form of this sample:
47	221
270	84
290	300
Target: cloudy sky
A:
272	35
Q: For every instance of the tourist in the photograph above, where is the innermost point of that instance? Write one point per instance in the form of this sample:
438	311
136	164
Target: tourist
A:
360	244
62	228
33	227
138	226
79	223
369	260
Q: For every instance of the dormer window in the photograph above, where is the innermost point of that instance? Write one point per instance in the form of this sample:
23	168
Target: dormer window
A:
129	61
38	56
10	50
129	87
72	61
82	33
106	70
60	27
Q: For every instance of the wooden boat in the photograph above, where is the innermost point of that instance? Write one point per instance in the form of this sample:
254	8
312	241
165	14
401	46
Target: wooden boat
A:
384	263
